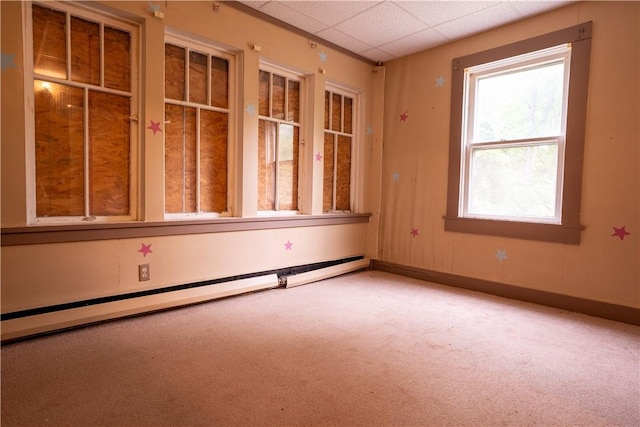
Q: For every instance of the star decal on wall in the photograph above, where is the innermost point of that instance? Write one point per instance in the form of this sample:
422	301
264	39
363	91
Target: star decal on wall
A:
404	116
323	57
620	232
369	130
395	176
6	60
414	232
288	245
154	126
501	255
318	157
145	249
440	81
251	109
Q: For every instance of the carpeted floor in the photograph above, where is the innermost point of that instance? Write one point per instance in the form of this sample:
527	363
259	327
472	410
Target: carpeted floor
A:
365	349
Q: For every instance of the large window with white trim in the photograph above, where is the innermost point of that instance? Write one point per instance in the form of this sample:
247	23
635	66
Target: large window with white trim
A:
198	109
85	112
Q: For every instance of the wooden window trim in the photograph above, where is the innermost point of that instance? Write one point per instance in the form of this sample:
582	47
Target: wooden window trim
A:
569	230
92	232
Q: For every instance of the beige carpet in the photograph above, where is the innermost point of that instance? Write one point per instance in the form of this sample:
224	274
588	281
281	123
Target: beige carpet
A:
366	349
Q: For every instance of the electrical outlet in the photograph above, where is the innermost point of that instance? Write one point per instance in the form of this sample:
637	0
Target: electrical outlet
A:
144	272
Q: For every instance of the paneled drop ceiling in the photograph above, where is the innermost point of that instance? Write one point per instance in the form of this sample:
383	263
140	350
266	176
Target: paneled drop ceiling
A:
383	30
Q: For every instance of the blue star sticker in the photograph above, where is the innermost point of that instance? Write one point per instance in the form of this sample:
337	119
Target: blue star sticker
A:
323	57
440	81
369	130
251	109
7	60
501	255
395	176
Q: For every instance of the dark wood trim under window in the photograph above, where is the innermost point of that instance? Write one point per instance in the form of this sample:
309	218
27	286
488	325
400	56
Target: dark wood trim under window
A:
569	230
81	233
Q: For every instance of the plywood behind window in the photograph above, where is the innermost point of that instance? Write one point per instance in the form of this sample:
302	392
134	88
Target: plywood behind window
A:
174	70
327	98
266	165
343	174
293	104
180	159
264	93
288	145
59	147
117	59
336	112
277	97
85	51
214	129
327	186
109	152
348	115
198	73
49	42
219	82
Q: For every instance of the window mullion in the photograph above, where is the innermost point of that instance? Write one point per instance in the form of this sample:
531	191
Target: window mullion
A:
68	42
335	173
197	160
85	102
184	159
101	54
276	155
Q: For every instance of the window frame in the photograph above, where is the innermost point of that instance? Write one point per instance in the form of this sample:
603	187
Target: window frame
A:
196	44
289	75
568	230
104	19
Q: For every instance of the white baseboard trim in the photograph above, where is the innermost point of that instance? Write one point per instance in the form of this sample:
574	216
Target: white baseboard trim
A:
325	273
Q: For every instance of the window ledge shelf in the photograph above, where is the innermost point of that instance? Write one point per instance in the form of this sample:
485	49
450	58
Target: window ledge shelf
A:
78	233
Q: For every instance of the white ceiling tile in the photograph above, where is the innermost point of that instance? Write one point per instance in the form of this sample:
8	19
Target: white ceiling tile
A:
534	7
344	40
437	12
281	11
414	43
483	20
376	55
381	24
331	12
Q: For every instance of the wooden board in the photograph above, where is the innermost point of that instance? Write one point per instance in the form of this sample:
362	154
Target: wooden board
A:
343	174
266	165
198	73
117	59
49	42
219	82
85	51
327	184
174	70
213	161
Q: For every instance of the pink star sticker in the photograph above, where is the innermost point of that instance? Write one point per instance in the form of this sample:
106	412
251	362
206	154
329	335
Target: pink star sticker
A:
145	249
154	126
288	245
620	232
404	116
414	232
318	157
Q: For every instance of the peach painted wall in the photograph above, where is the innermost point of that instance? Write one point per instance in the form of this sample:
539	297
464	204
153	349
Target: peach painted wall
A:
603	267
44	274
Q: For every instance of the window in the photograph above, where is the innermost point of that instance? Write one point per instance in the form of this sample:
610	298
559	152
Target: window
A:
85	102
278	140
197	109
517	136
338	141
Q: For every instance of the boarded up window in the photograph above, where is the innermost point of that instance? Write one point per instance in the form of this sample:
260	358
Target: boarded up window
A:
82	130
338	140
278	141
196	130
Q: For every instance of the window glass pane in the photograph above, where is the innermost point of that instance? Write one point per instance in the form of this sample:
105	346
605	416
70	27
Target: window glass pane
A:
109	151
343	174
294	102
515	181
264	93
266	165
277	101
198	77
336	112
85	51
519	105
49	42
219	82
180	159
117	59
59	149
327	186
288	167
174	69
213	161
348	115
327	97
